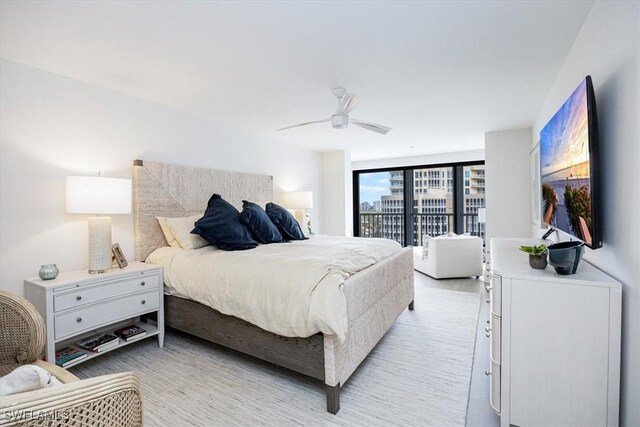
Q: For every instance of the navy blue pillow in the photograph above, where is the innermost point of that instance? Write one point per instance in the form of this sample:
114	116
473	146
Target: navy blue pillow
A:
221	226
286	223
259	224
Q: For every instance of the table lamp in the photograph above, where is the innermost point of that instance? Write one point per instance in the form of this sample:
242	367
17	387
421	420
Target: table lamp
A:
98	196
300	202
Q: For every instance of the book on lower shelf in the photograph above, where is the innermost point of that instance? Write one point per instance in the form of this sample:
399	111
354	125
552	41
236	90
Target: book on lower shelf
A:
109	346
131	333
99	343
68	356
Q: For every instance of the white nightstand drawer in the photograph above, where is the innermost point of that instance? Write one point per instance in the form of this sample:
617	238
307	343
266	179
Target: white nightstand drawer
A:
84	296
97	315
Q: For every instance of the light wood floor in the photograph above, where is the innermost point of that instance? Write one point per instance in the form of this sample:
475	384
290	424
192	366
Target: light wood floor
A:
479	412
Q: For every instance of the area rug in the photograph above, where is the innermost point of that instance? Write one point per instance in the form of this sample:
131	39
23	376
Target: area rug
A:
419	374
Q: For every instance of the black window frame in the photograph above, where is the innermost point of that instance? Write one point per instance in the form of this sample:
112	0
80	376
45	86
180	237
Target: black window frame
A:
408	199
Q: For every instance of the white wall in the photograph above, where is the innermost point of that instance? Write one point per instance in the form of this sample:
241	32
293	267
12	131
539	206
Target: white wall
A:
507	181
608	49
428	159
337	194
52	126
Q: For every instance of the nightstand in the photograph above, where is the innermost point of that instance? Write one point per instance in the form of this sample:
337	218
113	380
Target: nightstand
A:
77	304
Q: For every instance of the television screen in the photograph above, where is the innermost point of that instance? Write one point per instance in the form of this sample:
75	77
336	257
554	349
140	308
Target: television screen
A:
569	172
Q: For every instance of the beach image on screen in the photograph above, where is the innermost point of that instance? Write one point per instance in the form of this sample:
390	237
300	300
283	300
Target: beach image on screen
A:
564	161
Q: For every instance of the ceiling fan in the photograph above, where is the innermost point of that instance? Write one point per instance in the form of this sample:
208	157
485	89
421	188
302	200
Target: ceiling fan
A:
340	119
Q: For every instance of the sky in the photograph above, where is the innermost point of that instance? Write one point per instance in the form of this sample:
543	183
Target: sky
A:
564	140
373	185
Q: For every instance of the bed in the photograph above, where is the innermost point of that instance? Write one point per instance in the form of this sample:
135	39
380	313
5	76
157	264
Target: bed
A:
375	296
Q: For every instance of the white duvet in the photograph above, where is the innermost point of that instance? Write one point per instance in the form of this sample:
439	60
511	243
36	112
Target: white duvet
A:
292	289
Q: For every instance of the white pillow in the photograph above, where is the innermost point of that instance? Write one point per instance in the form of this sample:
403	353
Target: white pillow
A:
425	245
451	234
26	378
177	231
167	232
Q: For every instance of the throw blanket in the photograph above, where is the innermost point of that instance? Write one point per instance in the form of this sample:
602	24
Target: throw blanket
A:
291	289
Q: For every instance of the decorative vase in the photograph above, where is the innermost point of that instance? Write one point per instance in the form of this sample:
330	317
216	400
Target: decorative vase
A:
565	256
48	272
539	262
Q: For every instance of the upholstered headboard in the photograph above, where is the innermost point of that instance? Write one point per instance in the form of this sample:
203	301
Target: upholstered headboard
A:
174	191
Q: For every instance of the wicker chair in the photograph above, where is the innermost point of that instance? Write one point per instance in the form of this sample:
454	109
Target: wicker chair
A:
109	400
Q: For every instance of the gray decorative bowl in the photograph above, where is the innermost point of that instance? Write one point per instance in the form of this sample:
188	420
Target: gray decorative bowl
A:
565	256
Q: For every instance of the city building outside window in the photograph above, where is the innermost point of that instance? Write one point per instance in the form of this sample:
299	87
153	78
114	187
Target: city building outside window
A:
381	210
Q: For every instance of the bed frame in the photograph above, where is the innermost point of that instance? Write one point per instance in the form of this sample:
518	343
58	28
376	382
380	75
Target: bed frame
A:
375	296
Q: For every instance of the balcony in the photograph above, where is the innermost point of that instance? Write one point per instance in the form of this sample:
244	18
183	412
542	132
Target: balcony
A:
391	226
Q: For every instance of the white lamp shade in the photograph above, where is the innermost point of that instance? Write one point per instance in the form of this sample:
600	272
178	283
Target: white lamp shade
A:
98	195
298	200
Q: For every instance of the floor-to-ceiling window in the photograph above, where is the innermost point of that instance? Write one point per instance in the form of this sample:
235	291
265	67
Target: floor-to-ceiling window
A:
404	204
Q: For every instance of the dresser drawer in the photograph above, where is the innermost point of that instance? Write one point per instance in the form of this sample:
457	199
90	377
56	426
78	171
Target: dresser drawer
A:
496	336
496	295
494	390
91	317
112	289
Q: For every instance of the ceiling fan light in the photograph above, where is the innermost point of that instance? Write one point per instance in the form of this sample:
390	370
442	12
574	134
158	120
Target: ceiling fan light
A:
340	122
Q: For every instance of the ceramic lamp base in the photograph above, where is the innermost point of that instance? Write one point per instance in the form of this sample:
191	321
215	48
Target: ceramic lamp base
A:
99	244
304	219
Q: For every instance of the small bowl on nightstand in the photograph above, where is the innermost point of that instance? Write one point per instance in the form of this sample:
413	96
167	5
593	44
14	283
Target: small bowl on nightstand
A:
48	272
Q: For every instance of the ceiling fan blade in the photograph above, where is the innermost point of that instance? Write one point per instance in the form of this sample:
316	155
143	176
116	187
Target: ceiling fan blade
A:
304	124
349	102
371	126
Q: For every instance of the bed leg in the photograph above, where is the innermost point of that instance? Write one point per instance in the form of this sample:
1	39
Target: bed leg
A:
333	398
411	305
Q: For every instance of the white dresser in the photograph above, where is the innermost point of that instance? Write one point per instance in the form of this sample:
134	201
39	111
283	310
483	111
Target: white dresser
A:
77	304
555	342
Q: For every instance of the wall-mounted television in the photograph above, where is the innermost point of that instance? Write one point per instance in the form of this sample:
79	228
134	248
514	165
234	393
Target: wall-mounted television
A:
569	169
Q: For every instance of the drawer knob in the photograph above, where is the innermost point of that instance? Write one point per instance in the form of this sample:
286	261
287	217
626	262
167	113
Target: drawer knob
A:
79	319
488	301
143	302
487	329
79	297
487	373
142	283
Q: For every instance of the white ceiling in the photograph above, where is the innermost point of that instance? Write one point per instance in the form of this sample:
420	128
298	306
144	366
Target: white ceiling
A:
440	73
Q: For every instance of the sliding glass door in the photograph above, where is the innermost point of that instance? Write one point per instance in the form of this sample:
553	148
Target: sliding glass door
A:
432	202
380	209
474	200
404	204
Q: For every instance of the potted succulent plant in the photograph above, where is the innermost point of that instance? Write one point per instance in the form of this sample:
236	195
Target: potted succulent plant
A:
537	256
